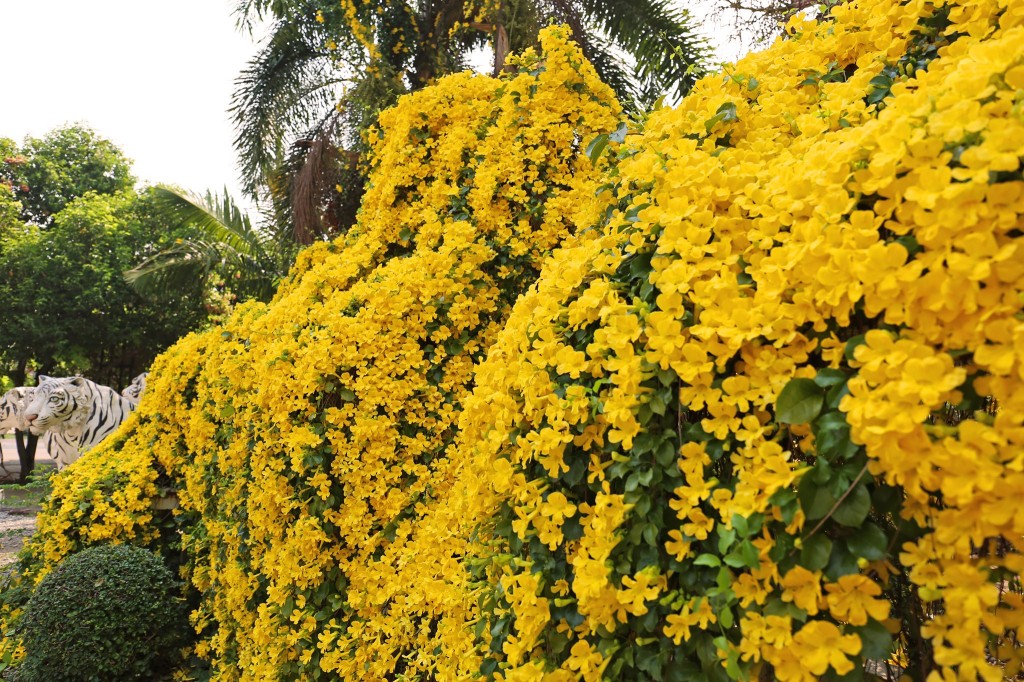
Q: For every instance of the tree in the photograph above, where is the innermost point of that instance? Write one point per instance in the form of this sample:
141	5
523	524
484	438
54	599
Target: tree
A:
67	306
63	165
70	225
285	105
10	209
756	23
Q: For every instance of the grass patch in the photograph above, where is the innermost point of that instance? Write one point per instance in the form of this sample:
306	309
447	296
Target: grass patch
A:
30	495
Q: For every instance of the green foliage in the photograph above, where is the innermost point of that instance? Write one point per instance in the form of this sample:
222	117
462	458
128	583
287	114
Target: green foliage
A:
225	242
30	494
799	402
10	210
67	306
105	614
65	164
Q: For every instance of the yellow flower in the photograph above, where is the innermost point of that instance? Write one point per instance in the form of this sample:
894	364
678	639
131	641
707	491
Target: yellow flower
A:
820	644
803	588
852	599
695	612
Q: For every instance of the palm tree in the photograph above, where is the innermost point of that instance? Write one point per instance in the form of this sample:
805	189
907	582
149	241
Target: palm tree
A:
250	260
368	52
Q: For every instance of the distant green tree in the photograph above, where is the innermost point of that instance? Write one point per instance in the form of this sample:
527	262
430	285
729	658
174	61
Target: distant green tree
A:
66	163
10	209
67	307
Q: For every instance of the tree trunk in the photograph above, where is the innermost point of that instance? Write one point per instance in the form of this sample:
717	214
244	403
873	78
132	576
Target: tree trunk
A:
18	375
26	453
501	49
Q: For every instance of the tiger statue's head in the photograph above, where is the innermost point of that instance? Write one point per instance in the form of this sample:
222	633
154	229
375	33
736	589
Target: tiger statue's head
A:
12	408
78	408
58	404
134	390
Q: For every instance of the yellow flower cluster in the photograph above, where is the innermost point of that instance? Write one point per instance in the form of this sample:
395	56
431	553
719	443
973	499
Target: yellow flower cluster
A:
760	414
309	438
791	356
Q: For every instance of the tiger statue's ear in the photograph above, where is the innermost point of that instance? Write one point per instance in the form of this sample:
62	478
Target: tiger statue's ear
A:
77	381
40	378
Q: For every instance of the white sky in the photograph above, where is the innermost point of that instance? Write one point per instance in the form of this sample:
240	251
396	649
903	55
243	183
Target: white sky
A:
153	77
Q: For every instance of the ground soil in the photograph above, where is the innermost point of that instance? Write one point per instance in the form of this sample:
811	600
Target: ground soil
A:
18	508
15	526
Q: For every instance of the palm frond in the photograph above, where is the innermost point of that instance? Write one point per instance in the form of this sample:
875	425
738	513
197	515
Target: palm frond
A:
180	268
661	39
228	243
248	12
613	70
218	218
290	84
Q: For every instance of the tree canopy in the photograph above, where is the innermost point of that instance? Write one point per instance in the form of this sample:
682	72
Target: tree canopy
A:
49	172
70	225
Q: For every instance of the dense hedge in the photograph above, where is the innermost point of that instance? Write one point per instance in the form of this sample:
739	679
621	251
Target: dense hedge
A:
769	423
107	613
308	438
762	413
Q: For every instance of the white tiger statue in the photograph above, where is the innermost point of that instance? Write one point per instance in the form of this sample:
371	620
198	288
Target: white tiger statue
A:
134	390
76	410
12	409
61	446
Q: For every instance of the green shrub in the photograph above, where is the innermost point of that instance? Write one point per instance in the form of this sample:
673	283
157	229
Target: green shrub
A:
104	614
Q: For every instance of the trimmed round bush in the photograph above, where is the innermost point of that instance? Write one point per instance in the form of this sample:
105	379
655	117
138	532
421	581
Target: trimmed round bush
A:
104	614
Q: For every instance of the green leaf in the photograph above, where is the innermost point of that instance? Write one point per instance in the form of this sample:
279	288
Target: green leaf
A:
876	642
886	499
745	555
799	402
832	436
841	562
829	377
815	499
620	133
707	560
728	112
815	552
750	554
854	508
725	538
869	542
835	395
776	607
651	534
597	147
725	114
665	455
831	421
851	345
